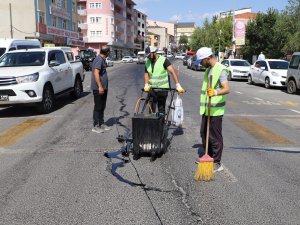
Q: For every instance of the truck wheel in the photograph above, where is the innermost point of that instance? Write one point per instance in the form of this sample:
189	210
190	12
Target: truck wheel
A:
47	104
78	89
291	87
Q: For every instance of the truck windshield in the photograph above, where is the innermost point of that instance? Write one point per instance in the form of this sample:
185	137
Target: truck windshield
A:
2	51
87	54
14	59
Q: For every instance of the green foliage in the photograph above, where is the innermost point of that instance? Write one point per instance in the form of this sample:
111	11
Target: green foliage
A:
275	33
209	34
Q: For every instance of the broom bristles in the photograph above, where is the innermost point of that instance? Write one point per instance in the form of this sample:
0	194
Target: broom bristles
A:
205	170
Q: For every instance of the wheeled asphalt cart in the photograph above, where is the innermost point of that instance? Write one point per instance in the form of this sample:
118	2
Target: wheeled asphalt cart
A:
149	128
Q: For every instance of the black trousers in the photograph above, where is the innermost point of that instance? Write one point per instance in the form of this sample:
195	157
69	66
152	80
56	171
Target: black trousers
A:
158	98
99	107
215	143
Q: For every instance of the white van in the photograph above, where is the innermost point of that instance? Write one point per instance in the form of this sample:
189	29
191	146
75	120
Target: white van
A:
141	57
7	45
293	74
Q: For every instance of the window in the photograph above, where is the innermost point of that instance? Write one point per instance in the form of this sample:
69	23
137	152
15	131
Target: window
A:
112	21
92	5
74	27
143	26
41	16
112	6
112	34
98	5
54	21
98	33
73	7
295	61
98	19
70	56
64	24
53	1
92	19
58	56
93	33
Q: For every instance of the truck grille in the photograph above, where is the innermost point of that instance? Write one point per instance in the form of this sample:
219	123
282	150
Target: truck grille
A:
4	81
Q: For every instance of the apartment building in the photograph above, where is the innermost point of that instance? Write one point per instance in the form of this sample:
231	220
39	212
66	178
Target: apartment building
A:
108	22
186	29
140	24
53	22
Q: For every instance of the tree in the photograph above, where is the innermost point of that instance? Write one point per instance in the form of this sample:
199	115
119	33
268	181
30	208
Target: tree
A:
183	43
208	35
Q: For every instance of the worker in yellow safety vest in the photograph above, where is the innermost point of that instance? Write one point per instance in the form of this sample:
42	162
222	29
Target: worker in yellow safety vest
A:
156	75
218	91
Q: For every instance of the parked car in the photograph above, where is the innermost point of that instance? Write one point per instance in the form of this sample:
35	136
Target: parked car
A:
135	59
180	55
127	59
38	76
184	60
293	74
195	65
270	72
141	57
7	45
189	62
109	62
239	68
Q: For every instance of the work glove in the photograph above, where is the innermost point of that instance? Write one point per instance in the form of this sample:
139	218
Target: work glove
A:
179	88
211	92
147	87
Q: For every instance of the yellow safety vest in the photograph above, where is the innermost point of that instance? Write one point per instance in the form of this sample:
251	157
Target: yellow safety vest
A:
159	75
217	102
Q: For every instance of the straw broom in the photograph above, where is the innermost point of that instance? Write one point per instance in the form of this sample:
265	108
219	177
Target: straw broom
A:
205	170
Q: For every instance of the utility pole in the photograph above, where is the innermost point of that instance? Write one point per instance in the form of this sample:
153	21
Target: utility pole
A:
11	26
233	35
219	44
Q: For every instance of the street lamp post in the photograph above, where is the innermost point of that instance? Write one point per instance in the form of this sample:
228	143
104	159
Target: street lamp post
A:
219	44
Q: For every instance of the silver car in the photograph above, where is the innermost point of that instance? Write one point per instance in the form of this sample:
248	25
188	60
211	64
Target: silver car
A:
109	62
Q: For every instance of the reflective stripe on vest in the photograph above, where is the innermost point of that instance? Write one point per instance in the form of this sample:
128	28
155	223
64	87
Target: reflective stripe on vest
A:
159	75
217	102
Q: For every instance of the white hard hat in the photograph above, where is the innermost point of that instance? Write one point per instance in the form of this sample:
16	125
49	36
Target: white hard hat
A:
203	53
149	50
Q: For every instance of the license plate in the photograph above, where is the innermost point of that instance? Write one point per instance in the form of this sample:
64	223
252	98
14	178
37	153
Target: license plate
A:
4	98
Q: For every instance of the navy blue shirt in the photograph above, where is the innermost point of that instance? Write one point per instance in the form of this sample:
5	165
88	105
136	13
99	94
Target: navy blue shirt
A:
99	63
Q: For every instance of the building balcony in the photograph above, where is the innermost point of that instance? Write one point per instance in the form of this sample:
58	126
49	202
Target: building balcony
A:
119	29
119	16
129	21
119	3
83	26
129	11
82	12
85	39
129	33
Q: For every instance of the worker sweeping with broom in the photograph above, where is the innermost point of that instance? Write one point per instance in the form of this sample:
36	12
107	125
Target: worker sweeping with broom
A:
215	87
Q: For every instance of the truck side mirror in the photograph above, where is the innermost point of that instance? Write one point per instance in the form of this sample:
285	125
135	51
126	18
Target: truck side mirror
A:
54	63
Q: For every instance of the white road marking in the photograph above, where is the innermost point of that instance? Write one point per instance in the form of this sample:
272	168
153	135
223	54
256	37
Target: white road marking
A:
259	99
260	115
229	175
238	92
294	111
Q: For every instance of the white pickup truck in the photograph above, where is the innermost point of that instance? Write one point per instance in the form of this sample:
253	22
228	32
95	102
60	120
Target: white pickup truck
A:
38	76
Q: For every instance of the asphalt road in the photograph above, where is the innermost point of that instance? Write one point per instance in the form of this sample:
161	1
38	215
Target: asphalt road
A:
54	170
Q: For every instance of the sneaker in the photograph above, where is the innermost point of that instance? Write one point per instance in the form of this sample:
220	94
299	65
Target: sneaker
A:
105	127
97	129
218	167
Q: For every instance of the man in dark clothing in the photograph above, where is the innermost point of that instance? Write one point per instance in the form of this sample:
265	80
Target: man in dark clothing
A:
99	87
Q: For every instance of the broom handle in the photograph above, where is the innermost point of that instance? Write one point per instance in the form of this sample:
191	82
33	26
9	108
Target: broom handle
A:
208	118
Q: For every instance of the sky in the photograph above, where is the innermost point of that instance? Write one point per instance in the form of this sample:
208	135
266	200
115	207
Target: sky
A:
197	10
